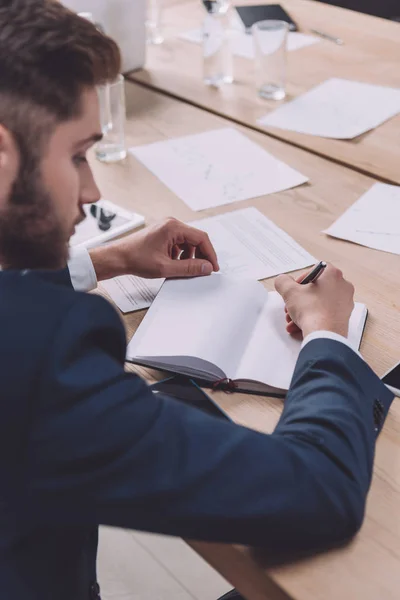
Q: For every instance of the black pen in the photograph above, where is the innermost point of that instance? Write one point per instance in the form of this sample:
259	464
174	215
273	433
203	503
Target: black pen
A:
315	273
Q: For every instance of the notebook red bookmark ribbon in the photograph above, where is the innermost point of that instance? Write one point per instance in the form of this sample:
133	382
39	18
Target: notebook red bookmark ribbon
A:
226	385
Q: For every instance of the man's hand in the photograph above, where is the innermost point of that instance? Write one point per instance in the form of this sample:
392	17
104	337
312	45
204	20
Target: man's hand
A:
154	252
324	305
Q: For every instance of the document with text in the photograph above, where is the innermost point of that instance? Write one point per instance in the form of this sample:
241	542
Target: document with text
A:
248	246
132	293
337	108
217	167
251	246
373	221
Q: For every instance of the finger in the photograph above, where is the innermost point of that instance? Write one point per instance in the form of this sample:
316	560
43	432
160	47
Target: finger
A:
283	285
200	239
300	278
191	267
176	252
292	328
289	320
188	251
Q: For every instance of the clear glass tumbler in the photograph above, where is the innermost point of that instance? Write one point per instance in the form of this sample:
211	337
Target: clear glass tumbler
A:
217	50
154	30
112	147
270	44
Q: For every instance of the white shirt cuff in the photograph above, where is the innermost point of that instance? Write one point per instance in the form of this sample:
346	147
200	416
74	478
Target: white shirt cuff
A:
329	335
81	270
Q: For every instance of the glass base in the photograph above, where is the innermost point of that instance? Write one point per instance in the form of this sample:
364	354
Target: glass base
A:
110	153
270	91
155	40
154	34
218	80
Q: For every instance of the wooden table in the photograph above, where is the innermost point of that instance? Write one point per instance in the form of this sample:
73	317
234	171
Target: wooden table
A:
371	54
368	569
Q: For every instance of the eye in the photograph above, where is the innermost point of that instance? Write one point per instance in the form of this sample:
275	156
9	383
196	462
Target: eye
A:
79	159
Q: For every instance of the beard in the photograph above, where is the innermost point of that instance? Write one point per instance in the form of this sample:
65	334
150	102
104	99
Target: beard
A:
31	236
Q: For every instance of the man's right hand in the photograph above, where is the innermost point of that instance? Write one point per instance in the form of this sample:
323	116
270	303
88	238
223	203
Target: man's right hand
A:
324	305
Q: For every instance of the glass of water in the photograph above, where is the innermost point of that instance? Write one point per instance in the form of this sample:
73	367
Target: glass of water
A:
154	30
112	147
217	50
270	42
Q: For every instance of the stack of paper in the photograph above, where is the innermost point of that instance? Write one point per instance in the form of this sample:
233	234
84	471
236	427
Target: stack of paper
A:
337	108
248	246
373	221
242	43
216	168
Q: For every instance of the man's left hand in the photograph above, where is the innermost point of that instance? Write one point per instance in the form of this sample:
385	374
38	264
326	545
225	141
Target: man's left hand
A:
168	249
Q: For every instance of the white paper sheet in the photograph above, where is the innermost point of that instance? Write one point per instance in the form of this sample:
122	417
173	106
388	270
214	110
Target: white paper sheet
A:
132	293
250	246
242	43
216	168
201	317
373	221
338	109
271	353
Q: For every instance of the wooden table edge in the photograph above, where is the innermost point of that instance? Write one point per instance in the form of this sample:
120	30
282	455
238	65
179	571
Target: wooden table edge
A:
230	561
131	77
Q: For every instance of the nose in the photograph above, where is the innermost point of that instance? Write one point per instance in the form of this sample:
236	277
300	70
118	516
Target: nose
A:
90	193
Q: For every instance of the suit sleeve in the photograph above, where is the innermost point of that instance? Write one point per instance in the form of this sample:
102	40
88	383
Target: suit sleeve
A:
104	450
61	277
79	274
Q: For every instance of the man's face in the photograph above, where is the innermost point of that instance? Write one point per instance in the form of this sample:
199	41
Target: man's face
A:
45	198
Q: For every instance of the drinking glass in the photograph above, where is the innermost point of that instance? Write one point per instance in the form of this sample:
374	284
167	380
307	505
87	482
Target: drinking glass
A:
112	147
217	50
270	43
154	22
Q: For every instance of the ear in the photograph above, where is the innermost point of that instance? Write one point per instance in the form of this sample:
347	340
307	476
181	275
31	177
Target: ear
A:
9	163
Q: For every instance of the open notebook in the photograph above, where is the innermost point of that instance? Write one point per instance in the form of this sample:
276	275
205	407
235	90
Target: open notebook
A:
216	328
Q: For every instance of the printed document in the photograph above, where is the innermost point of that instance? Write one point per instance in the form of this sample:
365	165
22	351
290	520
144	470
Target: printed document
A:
373	221
338	109
251	246
248	246
132	293
216	168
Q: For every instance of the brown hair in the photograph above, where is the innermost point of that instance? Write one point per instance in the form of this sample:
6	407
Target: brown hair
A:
48	56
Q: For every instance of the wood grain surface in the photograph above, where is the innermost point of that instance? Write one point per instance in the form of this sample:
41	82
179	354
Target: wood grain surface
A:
369	568
370	54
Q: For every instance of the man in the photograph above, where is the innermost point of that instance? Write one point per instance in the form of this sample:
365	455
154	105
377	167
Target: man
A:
83	443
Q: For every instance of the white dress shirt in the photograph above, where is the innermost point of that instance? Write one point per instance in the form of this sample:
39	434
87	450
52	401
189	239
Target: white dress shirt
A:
81	270
83	277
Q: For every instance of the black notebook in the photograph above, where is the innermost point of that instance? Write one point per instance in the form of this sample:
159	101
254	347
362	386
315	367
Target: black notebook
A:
217	328
266	12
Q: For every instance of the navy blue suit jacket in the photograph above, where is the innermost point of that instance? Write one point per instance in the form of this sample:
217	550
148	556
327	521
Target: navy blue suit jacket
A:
84	443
